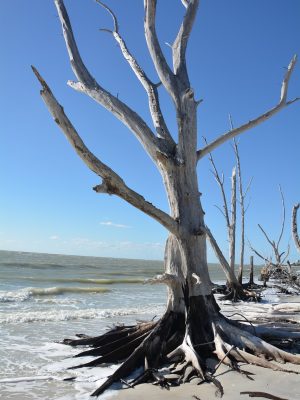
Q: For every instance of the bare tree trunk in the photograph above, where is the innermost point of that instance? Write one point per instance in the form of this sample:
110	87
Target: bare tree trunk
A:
230	219
295	226
251	281
232	227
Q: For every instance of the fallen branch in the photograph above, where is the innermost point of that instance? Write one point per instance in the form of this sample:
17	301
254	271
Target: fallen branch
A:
263	394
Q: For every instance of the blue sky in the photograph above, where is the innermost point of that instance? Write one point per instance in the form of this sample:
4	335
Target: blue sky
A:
236	60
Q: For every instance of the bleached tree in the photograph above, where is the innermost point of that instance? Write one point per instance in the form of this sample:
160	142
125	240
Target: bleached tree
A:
192	328
234	287
295	226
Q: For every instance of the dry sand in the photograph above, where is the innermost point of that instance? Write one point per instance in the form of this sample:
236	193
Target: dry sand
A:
281	384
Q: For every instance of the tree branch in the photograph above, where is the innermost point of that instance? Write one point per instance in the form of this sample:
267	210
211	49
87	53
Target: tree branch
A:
286	255
165	74
112	182
230	276
268	261
181	41
274	245
88	85
295	226
267	237
185	3
251	124
283	216
220	182
151	88
242	204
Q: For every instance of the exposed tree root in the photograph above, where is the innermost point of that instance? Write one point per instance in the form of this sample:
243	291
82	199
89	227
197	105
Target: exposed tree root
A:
252	286
179	347
236	294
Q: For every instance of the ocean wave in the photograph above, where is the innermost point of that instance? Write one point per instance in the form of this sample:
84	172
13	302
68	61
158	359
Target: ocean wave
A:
67	315
103	281
27	293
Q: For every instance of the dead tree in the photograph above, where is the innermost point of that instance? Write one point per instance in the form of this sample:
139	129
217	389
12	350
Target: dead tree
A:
234	287
192	328
229	215
295	226
234	290
274	264
242	196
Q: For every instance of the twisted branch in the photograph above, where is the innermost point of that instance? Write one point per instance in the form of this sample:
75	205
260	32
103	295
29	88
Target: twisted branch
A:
112	182
88	85
252	123
151	88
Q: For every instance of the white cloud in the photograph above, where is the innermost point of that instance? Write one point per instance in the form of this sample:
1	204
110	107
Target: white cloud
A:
113	224
54	237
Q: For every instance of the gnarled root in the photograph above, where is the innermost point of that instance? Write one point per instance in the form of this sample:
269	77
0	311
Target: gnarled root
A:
180	348
236	294
116	333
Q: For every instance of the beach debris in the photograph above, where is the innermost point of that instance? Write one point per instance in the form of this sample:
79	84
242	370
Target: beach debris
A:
263	394
279	270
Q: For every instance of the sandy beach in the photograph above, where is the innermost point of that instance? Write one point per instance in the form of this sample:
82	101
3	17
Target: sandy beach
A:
284	385
280	384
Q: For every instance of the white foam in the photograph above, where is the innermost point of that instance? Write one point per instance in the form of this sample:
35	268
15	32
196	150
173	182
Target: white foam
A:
25	293
67	315
29	379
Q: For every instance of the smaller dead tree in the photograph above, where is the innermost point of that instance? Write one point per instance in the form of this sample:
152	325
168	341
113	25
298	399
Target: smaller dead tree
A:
243	210
242	197
275	266
234	290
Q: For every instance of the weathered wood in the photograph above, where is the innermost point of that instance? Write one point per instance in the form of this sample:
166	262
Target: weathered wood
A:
258	120
280	257
295	226
88	85
232	226
263	394
251	280
242	196
151	88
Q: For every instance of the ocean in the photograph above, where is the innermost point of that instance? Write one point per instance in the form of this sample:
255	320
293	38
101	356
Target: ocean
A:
45	298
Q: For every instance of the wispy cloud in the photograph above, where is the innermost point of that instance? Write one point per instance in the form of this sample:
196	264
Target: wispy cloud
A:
113	224
54	237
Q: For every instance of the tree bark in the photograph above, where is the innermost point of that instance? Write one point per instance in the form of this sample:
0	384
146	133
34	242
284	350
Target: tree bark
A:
295	226
232	227
251	280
